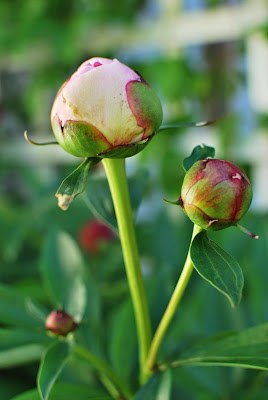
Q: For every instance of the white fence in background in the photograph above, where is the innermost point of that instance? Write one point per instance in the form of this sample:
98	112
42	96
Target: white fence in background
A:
175	28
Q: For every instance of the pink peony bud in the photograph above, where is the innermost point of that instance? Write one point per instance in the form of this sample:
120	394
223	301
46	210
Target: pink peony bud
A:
215	194
60	323
104	104
93	234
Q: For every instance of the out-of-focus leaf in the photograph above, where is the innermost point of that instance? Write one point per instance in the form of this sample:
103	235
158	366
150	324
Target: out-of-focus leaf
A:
157	388
246	349
99	199
21	355
51	366
36	311
123	340
63	270
14	308
217	266
12	337
66	391
198	153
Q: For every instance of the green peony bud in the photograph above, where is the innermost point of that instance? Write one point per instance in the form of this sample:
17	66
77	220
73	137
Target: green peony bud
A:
215	194
102	106
60	323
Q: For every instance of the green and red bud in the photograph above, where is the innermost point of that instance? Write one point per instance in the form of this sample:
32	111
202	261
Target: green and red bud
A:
60	323
215	194
104	104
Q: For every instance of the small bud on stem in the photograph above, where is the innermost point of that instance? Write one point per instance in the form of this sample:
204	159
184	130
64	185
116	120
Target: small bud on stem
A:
60	322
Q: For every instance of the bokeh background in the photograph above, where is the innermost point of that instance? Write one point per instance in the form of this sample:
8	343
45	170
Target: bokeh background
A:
205	59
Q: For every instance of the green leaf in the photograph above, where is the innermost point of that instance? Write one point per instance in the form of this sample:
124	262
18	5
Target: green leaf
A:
19	347
21	355
14	308
123	341
217	267
99	199
75	183
246	349
51	366
198	153
63	271
66	391
157	388
13	337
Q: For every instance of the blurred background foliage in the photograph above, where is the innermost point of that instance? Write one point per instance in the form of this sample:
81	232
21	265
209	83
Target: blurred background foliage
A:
199	75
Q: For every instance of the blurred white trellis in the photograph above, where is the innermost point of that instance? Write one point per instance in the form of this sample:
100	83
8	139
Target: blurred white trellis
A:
178	29
175	28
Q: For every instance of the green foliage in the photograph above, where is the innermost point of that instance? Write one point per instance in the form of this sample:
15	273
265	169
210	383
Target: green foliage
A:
157	388
15	309
51	365
242	349
66	391
219	268
99	199
198	153
63	271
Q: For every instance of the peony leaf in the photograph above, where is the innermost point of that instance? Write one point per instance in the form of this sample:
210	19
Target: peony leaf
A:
198	153
217	267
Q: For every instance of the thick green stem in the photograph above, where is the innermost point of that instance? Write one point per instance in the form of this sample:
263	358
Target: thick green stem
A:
171	308
116	175
115	385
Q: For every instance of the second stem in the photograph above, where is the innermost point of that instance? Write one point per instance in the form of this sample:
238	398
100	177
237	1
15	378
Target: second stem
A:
172	307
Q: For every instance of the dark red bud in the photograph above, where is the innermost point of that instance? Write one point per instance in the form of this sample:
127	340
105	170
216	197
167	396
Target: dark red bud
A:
60	323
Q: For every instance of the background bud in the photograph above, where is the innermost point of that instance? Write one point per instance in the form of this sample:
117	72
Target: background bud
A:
104	104
93	234
215	194
60	323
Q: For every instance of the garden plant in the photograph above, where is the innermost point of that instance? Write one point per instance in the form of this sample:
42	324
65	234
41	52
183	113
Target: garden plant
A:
106	113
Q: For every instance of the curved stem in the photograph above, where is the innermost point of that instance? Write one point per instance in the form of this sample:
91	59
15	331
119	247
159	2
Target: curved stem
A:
114	383
172	307
116	175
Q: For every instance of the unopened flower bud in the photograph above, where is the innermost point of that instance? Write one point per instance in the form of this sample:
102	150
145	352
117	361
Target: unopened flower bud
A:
93	234
215	194
60	323
104	104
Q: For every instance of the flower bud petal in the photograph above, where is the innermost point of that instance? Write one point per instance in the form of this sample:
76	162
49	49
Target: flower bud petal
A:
104	104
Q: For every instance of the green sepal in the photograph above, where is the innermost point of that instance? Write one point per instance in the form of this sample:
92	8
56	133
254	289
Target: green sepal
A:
177	202
75	183
217	267
127	150
198	153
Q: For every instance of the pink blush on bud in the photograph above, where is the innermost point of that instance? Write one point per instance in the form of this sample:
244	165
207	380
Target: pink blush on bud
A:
97	64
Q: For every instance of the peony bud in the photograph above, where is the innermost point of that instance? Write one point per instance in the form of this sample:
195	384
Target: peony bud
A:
93	234
60	323
215	194
104	104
